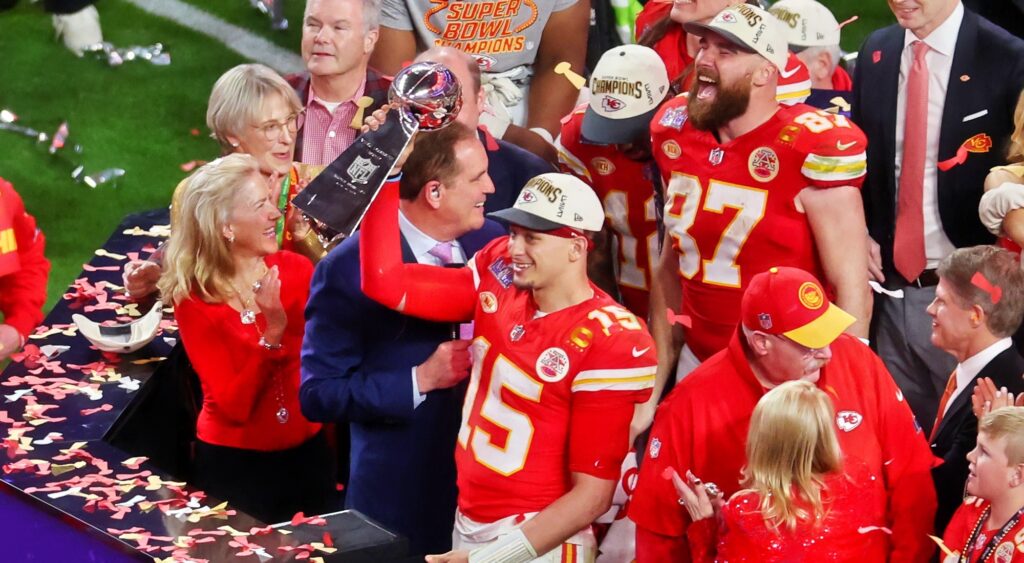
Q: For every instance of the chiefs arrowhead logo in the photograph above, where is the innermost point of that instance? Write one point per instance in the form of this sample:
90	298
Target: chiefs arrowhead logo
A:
611	104
848	420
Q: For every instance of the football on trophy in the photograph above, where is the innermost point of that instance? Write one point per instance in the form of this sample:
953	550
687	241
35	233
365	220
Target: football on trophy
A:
429	93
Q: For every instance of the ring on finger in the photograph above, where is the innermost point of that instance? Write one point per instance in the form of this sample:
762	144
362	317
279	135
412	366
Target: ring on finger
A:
681	501
712	490
257	285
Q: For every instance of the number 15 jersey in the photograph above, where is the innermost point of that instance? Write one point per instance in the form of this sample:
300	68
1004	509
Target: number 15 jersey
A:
732	209
549	394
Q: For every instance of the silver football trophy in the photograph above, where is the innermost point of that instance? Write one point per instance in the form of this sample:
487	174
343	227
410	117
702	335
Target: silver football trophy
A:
425	96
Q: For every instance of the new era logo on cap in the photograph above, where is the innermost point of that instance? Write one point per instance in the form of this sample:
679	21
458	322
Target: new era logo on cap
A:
626	88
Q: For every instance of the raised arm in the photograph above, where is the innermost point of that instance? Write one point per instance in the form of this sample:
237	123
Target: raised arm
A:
428	292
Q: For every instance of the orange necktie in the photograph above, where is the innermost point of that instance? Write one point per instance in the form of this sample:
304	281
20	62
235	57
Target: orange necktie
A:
950	389
908	246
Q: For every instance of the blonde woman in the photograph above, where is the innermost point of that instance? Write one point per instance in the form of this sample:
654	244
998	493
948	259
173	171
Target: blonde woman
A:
239	305
252	110
802	502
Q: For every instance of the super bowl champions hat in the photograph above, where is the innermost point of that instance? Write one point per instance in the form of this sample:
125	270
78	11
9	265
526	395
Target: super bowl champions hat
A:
751	28
808	23
791	302
626	88
551	201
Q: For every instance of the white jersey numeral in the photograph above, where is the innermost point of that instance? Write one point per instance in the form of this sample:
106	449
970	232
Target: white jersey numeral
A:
510	458
684	196
630	274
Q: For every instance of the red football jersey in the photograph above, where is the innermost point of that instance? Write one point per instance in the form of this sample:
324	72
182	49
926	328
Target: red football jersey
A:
731	208
1010	548
549	394
626	190
672	46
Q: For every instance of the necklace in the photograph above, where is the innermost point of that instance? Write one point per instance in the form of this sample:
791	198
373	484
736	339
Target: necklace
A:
990	546
248	317
248	313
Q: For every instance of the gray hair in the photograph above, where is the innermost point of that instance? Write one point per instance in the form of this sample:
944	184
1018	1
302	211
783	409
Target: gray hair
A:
238	97
811	53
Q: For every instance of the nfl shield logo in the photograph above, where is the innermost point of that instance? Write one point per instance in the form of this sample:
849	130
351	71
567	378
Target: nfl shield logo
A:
766	320
715	156
360	170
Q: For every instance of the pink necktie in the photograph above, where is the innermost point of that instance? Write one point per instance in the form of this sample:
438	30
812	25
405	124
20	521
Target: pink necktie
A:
908	248
443	252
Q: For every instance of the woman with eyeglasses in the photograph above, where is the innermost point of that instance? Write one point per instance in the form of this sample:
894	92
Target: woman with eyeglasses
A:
239	304
803	500
252	110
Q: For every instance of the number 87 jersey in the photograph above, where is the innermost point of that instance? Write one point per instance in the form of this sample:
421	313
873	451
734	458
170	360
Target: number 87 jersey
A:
549	394
732	209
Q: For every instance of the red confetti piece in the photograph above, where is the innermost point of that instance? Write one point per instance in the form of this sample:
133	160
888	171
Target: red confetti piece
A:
194	131
301	518
328	541
103	408
981	282
683	320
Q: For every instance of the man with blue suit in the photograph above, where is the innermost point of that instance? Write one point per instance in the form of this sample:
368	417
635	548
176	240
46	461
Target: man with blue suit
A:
935	96
397	380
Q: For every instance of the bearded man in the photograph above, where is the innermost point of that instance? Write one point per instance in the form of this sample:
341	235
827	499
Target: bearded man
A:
750	184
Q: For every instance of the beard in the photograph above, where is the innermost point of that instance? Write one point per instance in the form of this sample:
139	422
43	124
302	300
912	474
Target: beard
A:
730	102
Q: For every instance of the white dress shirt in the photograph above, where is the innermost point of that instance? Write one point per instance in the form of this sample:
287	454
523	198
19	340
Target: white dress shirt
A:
969	368
941	45
421	244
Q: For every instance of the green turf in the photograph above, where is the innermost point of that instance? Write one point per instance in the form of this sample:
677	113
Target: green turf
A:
242	14
138	116
135	117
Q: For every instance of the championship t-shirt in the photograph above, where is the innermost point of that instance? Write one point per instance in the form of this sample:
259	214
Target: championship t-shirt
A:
500	34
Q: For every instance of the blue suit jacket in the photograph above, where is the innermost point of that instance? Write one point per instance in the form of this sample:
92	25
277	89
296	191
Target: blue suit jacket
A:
984	82
357	358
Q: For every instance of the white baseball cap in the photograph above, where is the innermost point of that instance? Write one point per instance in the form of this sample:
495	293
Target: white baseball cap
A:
626	88
749	27
121	338
808	23
551	201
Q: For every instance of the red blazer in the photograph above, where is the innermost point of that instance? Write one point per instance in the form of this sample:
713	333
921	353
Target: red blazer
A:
240	398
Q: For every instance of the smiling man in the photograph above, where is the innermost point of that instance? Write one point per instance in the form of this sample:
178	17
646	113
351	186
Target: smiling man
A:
979	303
941	80
789	331
749	184
394	380
337	39
557	369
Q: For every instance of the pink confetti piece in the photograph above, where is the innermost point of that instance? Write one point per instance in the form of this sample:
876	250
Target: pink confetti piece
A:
102	408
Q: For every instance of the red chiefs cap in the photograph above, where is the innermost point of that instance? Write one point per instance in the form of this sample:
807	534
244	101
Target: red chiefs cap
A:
791	302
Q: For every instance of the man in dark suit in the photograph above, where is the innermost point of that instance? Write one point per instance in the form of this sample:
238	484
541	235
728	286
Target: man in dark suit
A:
509	165
935	97
395	379
979	302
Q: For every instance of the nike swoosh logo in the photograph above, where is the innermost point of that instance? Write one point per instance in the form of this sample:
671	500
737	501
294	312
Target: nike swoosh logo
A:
843	146
790	72
638	353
